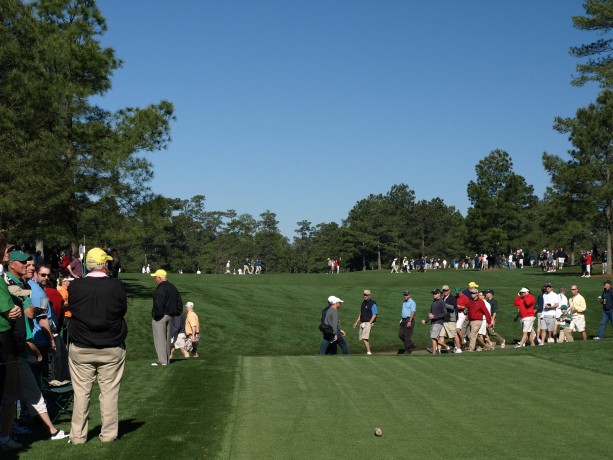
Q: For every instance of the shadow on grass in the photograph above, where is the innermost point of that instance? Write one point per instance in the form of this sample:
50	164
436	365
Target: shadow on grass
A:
125	427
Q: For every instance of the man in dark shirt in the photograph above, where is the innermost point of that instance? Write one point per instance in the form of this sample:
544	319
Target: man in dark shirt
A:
366	319
606	299
167	304
436	317
97	345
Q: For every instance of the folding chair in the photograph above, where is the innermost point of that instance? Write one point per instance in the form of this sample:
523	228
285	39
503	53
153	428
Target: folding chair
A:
59	399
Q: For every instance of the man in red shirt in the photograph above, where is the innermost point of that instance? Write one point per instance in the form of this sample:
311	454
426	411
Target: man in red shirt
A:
525	302
476	311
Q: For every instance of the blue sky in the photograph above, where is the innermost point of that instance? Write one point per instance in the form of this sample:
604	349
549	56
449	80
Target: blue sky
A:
305	107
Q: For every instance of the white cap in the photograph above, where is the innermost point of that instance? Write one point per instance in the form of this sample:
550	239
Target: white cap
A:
189	305
333	299
524	290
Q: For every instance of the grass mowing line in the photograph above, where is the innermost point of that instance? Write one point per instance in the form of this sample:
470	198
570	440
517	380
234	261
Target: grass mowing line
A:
234	414
505	406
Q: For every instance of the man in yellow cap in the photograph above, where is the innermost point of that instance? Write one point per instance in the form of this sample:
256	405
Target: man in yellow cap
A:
167	304
97	348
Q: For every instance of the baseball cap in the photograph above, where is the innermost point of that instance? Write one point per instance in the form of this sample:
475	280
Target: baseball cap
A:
607	282
563	307
159	273
445	287
366	292
548	285
333	299
489	291
407	292
472	284
524	290
436	291
96	257
19	256
189	305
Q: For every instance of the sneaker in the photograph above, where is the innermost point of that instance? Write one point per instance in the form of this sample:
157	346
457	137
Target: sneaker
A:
458	350
596	338
368	353
429	350
438	351
158	364
16	428
519	346
10	445
550	340
195	355
503	344
59	435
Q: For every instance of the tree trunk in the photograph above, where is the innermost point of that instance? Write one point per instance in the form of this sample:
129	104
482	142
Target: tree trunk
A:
378	258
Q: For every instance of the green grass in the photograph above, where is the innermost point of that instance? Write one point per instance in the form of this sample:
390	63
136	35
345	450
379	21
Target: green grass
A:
258	391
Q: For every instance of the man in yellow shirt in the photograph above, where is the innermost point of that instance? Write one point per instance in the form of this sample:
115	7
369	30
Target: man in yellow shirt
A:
577	303
192	328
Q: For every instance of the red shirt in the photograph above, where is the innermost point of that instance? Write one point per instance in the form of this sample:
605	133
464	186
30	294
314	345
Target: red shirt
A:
525	305
477	309
56	300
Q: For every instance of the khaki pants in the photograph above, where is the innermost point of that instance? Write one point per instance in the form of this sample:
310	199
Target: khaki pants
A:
474	332
87	364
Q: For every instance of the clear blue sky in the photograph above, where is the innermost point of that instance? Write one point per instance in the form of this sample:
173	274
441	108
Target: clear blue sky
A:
305	107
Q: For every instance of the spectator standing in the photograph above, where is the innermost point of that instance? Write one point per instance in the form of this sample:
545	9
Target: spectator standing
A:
97	345
577	307
192	329
167	304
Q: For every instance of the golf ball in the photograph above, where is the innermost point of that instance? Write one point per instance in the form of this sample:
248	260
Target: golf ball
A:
378	432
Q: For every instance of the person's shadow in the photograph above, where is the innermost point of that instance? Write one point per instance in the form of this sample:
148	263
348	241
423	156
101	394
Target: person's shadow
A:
125	427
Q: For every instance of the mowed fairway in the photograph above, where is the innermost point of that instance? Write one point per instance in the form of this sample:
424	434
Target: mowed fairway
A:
427	407
259	391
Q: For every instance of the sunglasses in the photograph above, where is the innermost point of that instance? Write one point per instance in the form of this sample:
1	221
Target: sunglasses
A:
44	275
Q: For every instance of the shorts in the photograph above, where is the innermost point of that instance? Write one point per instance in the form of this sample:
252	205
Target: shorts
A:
365	330
460	322
578	323
483	328
548	323
527	324
448	330
435	331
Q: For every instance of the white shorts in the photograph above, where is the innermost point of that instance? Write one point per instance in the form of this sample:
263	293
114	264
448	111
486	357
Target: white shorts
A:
483	328
527	324
460	322
578	323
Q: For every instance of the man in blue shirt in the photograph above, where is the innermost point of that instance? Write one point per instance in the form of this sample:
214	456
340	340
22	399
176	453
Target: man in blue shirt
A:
45	324
405	331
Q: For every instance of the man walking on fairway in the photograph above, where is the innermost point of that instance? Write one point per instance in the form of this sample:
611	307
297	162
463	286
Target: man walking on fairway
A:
366	319
405	331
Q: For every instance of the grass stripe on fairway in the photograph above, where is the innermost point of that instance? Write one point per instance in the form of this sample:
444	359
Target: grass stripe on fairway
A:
427	407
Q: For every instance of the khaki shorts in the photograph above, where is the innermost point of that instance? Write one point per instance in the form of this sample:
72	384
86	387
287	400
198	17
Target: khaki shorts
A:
527	324
449	330
365	330
578	323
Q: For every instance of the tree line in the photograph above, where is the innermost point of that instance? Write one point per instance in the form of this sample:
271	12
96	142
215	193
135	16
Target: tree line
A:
73	172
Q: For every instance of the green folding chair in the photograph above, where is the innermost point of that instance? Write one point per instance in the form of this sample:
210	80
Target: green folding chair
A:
59	399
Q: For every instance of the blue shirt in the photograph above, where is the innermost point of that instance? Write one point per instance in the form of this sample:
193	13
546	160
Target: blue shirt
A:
40	299
408	307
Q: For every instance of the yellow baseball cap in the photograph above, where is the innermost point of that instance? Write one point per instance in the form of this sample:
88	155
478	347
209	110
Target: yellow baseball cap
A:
159	272
96	257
